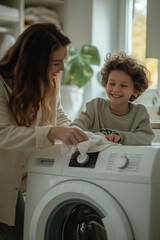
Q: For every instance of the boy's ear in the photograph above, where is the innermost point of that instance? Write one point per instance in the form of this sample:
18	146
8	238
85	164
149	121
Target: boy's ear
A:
136	93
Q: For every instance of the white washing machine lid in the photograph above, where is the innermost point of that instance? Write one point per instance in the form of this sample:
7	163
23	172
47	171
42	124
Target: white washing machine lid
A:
67	195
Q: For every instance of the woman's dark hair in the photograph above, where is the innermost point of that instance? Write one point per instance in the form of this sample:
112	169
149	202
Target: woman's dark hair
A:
122	62
27	63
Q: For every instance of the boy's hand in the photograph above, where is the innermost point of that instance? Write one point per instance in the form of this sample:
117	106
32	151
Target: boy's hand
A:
113	138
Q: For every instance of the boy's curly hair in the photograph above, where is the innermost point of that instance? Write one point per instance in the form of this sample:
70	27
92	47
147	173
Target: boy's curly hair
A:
122	62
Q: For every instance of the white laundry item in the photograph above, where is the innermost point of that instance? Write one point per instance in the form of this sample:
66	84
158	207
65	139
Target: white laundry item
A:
41	15
6	11
96	142
6	42
31	17
38	11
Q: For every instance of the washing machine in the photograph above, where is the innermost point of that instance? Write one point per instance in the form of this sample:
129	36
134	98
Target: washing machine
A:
112	195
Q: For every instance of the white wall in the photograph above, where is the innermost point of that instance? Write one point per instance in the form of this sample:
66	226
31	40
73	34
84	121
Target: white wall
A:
78	21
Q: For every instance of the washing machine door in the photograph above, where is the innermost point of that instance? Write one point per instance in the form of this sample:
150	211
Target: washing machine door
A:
79	210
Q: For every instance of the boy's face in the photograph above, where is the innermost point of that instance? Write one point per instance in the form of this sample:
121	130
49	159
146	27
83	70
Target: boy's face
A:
120	87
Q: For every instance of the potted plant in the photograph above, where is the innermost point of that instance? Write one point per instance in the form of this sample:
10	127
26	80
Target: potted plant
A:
78	72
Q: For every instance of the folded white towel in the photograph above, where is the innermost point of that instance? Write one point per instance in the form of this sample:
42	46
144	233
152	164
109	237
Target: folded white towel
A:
96	142
41	14
7	11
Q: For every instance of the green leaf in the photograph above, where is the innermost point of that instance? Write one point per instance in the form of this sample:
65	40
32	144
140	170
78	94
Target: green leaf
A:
70	60
78	70
91	54
73	51
79	73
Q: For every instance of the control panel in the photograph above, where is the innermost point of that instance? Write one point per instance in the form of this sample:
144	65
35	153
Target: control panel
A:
112	160
136	163
87	160
129	160
120	161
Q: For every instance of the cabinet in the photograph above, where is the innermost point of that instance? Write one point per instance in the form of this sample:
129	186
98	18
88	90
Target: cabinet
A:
11	22
75	17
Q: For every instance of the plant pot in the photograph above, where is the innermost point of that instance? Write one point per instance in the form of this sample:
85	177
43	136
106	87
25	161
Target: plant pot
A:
72	100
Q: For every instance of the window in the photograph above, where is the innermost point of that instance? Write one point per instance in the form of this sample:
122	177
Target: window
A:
137	47
139	38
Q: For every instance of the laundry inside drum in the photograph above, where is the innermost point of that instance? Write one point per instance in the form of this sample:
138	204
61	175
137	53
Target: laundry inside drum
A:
83	223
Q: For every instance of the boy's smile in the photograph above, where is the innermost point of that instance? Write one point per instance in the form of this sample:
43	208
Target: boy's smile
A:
119	89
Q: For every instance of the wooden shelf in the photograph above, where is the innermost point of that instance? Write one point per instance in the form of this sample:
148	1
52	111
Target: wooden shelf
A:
8	19
48	3
5	30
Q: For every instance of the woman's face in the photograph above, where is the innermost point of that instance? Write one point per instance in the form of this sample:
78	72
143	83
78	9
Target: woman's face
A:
57	61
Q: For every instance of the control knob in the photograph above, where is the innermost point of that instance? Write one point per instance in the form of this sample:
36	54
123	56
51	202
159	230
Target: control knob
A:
82	159
121	162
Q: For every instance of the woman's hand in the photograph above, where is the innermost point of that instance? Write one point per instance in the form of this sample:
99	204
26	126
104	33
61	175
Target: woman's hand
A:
67	134
113	138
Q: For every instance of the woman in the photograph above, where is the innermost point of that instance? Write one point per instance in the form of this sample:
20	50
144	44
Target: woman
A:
31	113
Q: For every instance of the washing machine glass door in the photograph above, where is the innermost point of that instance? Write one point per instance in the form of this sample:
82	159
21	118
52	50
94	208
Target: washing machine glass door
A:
82	223
79	210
